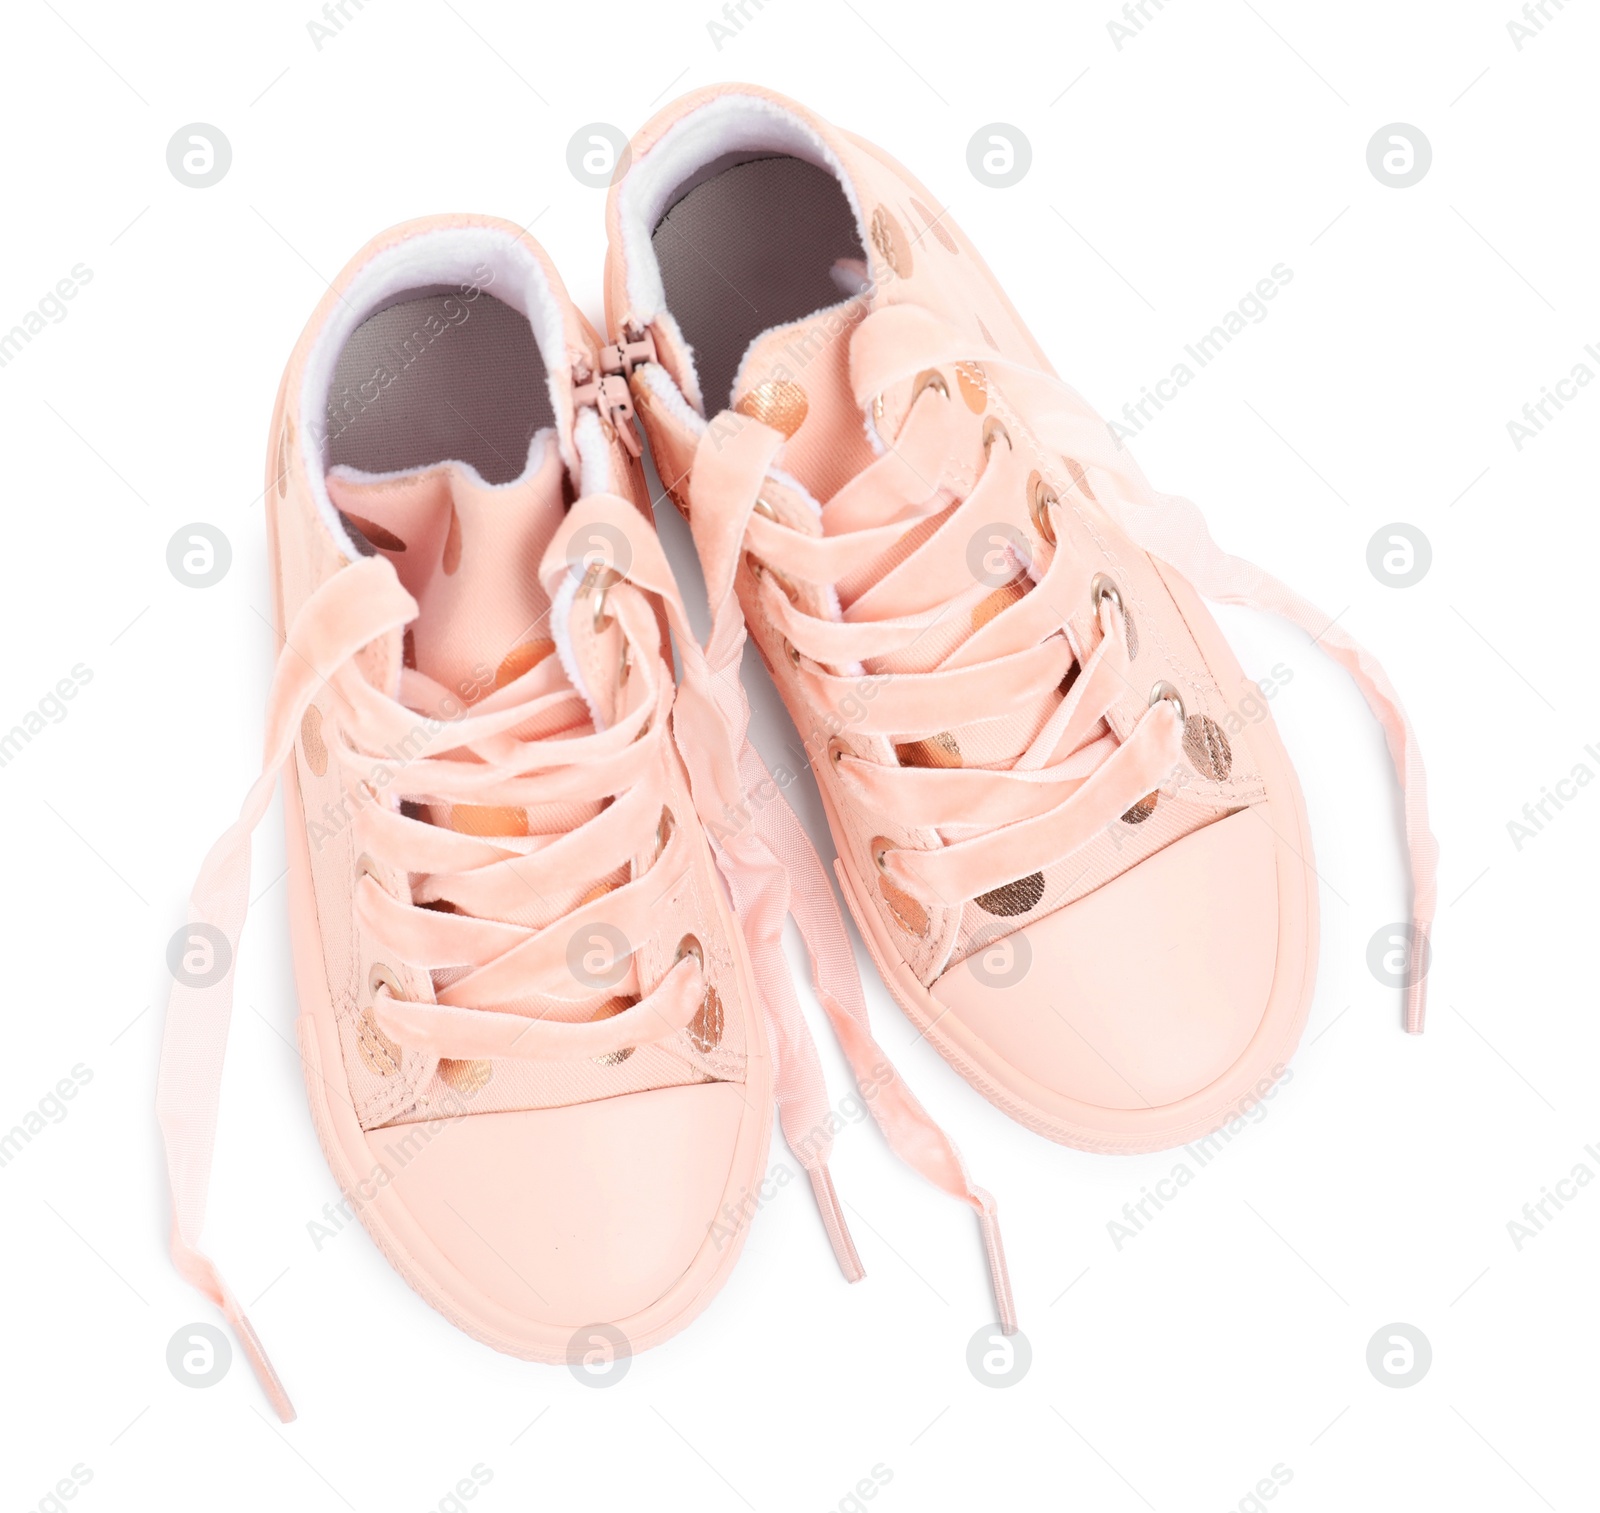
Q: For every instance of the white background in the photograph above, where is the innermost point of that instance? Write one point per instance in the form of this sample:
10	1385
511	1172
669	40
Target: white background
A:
1168	176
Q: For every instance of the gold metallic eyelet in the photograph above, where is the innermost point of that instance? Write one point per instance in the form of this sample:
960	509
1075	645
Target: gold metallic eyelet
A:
664	828
1104	587
764	508
705	1029
1165	691
1040	497
382	977
993	429
793	652
597	581
906	912
929	378
837	751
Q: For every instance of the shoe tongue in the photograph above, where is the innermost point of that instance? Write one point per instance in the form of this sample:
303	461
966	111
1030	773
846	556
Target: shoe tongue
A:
468	553
796	379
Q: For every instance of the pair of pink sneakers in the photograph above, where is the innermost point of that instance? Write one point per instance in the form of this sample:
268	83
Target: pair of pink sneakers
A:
538	883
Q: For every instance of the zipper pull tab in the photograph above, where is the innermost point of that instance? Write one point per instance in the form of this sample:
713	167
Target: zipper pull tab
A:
608	393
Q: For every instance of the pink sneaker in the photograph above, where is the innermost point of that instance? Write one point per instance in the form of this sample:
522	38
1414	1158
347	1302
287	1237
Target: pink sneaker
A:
1084	877
536	1051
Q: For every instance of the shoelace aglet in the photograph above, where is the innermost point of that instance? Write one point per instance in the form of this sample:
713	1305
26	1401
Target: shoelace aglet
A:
1416	999
844	1248
251	1343
999	1276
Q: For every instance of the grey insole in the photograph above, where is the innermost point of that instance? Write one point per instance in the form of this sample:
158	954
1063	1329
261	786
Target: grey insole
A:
750	244
436	377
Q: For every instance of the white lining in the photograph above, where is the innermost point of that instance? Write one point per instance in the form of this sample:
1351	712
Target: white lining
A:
594	454
493	260
561	634
659	382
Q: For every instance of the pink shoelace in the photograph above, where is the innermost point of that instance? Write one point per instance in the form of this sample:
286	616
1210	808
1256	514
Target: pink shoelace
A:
515	748
1075	777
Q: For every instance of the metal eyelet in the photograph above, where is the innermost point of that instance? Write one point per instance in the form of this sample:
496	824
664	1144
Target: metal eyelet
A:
837	751
1040	497
766	509
1164	691
382	976
929	378
993	429
881	847
597	581
1104	587
793	653
664	829
705	1029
